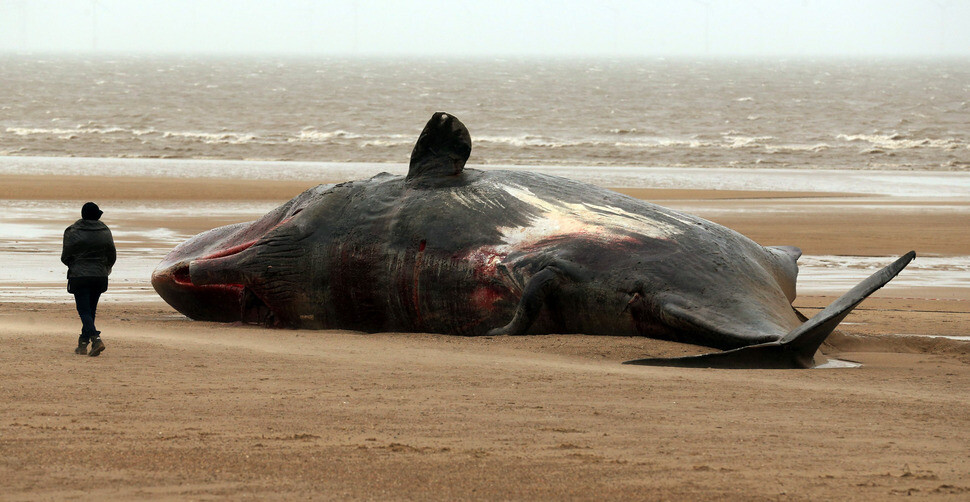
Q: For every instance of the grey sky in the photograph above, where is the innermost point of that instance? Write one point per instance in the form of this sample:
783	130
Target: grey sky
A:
497	27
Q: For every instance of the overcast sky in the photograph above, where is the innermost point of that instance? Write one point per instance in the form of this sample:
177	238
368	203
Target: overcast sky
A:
493	27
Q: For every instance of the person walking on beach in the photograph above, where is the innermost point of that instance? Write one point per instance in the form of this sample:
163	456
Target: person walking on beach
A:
89	253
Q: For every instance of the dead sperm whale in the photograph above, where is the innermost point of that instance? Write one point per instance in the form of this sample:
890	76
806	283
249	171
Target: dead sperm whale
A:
467	252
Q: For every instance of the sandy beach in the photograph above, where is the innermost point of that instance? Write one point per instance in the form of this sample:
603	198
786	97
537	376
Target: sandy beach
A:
177	409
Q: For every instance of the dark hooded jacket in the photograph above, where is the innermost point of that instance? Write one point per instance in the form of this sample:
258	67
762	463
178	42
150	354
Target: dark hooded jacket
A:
89	250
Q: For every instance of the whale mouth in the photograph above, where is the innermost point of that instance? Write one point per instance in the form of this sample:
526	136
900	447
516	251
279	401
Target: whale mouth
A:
182	273
239	248
213	270
207	296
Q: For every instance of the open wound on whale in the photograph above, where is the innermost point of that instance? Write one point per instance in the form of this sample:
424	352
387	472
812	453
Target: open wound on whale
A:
560	220
605	222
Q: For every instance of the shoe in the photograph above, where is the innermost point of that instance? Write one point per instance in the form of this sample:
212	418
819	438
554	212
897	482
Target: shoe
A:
97	347
82	349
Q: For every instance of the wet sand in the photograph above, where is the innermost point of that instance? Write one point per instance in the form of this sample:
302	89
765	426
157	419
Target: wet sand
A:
176	409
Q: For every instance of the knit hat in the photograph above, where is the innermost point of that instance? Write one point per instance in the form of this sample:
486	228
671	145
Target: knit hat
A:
91	211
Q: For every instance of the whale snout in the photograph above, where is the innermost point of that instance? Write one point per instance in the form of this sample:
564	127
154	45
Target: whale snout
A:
201	279
220	303
173	279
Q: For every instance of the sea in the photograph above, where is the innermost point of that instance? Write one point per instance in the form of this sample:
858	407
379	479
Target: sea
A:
767	114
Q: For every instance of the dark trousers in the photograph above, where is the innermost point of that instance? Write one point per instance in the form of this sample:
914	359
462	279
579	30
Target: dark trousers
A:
87	291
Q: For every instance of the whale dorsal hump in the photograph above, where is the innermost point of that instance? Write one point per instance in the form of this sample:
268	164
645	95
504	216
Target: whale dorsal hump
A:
442	148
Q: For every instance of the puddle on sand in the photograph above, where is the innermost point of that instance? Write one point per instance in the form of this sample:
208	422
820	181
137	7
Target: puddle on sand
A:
837	363
948	337
840	273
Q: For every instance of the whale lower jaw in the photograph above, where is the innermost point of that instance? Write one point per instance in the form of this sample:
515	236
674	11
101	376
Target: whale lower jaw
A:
763	356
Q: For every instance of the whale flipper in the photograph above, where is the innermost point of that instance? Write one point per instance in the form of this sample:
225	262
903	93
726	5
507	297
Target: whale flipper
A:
543	284
797	348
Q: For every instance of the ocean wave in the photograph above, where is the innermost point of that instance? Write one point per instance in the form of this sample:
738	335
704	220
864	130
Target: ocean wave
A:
619	143
897	141
664	143
315	136
210	138
81	129
747	141
818	147
623	132
31	131
384	143
643	142
529	140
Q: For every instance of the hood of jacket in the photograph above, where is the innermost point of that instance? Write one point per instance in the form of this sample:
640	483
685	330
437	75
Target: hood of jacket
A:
90	225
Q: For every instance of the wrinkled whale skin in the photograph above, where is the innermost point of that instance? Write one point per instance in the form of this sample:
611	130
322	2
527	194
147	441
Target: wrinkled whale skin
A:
469	252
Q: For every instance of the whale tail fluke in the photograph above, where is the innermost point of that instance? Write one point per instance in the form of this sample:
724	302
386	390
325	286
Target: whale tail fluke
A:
797	348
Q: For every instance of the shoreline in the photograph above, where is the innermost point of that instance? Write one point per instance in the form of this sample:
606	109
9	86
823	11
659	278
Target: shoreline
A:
126	188
920	184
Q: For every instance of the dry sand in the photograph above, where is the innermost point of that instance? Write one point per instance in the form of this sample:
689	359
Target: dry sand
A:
176	409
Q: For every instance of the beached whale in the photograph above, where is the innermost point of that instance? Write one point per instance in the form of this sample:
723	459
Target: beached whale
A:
467	252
